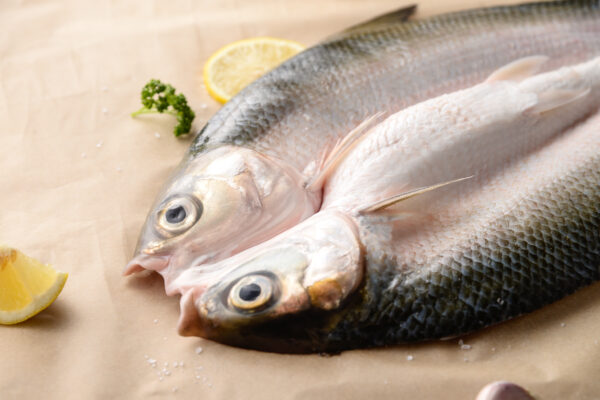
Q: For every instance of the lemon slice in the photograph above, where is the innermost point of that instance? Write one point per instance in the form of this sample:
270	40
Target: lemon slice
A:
234	66
26	286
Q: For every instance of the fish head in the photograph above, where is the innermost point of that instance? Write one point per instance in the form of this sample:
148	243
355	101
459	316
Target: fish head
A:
217	204
264	296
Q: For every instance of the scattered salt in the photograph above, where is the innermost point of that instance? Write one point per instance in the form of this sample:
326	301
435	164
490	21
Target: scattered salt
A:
209	384
198	377
562	324
146	356
99	144
198	350
181	363
203	106
175	364
466	359
119	169
104	110
83	155
161	378
157	135
465	347
155	321
460	342
409	358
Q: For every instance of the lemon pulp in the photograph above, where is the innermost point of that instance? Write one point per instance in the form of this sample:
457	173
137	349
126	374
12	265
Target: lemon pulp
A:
26	286
234	66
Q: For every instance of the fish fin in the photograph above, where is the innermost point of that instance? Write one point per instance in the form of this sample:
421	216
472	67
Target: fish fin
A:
396	16
390	201
518	70
340	150
557	98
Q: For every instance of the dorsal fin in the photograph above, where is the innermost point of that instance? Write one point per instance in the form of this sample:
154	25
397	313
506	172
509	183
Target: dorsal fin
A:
396	16
340	150
518	70
390	201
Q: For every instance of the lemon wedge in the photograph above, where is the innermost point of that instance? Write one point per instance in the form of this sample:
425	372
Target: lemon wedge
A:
26	286
234	66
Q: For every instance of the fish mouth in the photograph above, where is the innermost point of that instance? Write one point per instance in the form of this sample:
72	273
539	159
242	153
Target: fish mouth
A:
190	323
142	262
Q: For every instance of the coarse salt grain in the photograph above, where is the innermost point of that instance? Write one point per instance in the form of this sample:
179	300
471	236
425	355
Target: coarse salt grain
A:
83	155
155	321
157	135
104	110
99	144
198	350
562	324
409	358
465	347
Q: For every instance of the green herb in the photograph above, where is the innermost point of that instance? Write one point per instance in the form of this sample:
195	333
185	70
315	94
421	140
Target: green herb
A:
158	97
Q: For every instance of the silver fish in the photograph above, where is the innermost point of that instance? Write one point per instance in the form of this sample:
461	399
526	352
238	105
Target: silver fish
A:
246	177
444	259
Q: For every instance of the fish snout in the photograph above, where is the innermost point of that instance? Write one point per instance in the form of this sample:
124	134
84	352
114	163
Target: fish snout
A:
143	262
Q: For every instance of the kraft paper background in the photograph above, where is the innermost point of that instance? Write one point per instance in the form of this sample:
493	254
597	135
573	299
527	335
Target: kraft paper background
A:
78	176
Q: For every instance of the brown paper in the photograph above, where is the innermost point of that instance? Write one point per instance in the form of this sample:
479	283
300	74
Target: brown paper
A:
79	175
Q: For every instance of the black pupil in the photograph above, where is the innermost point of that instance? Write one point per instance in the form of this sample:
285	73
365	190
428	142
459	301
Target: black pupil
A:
249	292
175	215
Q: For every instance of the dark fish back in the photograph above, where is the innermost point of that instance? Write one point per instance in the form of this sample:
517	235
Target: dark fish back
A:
320	94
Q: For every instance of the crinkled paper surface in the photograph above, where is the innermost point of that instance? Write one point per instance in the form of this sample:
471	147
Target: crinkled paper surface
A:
78	175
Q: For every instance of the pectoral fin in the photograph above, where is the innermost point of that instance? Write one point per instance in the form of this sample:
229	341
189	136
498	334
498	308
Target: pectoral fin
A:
390	201
340	150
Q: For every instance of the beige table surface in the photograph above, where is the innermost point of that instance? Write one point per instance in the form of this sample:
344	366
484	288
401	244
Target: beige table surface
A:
78	176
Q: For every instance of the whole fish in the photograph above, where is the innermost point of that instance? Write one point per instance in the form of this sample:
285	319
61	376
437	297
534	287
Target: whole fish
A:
445	259
250	173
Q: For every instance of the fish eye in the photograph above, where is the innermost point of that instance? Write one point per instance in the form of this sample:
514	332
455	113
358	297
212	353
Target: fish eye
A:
251	293
177	215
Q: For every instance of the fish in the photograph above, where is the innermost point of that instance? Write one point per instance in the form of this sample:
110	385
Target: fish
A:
521	231
256	168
